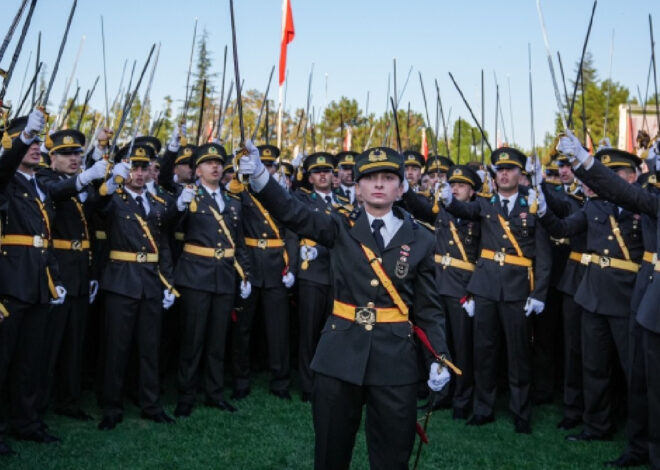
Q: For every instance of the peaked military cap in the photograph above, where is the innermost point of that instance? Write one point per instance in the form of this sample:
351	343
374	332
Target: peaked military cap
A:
464	174
378	159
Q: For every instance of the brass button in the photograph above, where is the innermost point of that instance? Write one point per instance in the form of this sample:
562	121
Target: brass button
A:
606	251
374	282
371	305
610	237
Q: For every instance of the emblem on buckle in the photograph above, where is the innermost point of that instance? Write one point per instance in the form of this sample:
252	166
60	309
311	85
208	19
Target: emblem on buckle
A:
37	241
76	245
365	316
261	243
499	257
446	260
141	257
604	262
219	253
585	259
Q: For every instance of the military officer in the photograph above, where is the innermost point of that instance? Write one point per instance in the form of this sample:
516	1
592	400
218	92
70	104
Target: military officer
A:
382	264
345	172
414	162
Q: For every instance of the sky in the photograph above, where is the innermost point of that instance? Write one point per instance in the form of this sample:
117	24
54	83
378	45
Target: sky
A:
352	44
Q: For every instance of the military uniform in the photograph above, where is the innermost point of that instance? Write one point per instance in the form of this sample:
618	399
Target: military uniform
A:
138	270
456	252
206	275
63	356
273	252
346	160
366	353
644	405
29	274
513	265
614	250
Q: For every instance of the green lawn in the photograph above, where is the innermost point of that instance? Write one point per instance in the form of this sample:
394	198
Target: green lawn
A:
268	433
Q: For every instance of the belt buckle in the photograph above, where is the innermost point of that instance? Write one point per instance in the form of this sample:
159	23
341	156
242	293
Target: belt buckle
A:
219	253
585	259
499	257
37	241
604	262
262	243
365	316
446	260
76	245
141	257
654	260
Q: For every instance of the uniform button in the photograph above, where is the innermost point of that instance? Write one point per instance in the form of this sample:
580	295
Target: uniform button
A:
504	235
333	326
219	244
144	235
610	237
371	305
595	218
265	222
606	251
143	248
264	235
374	282
451	242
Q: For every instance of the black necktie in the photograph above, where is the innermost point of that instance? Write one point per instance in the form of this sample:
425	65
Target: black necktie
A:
141	209
505	207
33	183
376	225
328	200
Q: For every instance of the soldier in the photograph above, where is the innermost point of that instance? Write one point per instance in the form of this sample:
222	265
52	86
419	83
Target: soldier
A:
456	252
509	284
213	252
137	281
273	255
345	172
644	387
314	273
366	354
63	356
30	279
437	167
414	161
614	250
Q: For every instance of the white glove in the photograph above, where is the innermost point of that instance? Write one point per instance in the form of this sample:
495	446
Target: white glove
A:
251	163
309	253
468	306
175	139
571	146
288	279
438	377
95	172
61	295
185	198
93	290
168	298
446	195
35	125
246	289
406	185
533	167
533	306
121	169
298	160
604	144
534	196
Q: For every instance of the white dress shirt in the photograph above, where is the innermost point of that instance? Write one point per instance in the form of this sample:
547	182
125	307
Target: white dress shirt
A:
392	225
145	200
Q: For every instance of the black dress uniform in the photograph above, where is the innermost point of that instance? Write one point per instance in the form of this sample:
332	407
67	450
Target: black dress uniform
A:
63	357
614	250
563	203
206	275
346	160
314	277
138	270
273	252
456	252
366	353
512	267
29	274
644	405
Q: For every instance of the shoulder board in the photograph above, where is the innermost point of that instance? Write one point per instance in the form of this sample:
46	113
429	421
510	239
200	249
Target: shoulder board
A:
342	198
425	193
485	195
423	224
577	197
158	198
229	196
305	190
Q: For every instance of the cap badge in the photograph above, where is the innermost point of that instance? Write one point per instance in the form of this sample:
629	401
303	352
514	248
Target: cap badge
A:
606	159
213	150
67	140
377	156
139	152
187	152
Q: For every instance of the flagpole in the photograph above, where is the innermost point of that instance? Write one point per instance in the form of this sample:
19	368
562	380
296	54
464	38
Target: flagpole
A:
279	117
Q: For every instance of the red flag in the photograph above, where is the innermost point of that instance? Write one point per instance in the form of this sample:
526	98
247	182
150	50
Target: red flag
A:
425	145
347	139
288	32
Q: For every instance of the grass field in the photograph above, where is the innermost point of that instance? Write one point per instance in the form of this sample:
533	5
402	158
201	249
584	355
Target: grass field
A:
269	433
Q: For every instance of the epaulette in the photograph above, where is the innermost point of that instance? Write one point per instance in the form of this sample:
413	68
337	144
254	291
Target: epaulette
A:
342	198
305	190
577	197
423	224
159	199
229	196
425	193
485	195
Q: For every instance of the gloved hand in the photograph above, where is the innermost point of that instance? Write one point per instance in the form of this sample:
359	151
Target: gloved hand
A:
297	161
288	280
438	377
93	290
446	195
533	306
175	139
533	167
308	253
571	146
95	172
246	289
168	299
534	196
468	306
121	169
604	144
406	185
185	198
61	295
35	125
251	164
